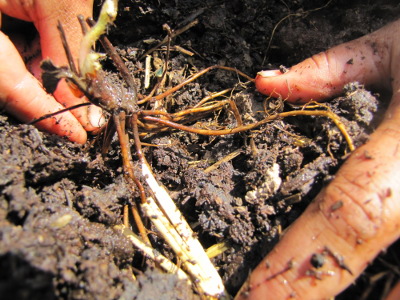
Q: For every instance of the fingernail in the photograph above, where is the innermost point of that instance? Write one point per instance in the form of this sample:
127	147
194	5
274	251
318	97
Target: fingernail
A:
95	116
269	73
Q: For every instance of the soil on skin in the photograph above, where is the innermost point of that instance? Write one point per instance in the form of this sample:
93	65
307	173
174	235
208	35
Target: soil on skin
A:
59	201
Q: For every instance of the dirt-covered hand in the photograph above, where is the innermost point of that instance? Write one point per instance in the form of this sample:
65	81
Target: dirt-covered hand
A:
21	93
358	214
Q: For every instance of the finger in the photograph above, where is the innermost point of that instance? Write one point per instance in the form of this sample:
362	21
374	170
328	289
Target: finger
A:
23	96
366	60
356	217
46	19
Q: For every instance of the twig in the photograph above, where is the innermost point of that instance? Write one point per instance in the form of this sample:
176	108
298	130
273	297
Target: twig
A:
227	158
286	17
174	34
44	117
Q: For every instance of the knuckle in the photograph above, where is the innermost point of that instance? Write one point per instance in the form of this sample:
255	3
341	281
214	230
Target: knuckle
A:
355	212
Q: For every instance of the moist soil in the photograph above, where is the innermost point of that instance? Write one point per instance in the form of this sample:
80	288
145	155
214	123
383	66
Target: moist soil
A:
59	201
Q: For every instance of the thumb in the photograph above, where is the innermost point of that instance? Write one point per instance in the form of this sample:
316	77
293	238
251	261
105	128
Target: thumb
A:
366	60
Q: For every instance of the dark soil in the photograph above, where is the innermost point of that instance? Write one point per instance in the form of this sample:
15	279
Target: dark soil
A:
59	201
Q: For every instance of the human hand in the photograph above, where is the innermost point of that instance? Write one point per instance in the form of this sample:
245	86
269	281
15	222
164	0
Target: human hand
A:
21	94
358	214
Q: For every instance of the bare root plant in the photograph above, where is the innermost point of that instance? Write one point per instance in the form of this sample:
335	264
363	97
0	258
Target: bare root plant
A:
129	118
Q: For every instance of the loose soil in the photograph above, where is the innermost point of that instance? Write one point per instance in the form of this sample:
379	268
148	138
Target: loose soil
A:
59	201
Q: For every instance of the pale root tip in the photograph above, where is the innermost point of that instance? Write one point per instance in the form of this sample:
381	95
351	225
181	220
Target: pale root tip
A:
269	73
95	116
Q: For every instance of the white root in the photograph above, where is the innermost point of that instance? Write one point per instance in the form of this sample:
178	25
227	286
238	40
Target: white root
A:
164	214
178	234
151	253
147	72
